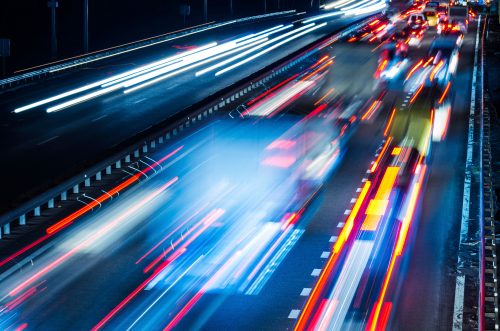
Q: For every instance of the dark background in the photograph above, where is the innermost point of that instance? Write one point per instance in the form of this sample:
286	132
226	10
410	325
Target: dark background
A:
111	22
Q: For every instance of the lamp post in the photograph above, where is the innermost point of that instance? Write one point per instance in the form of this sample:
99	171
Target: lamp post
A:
205	11
85	26
53	4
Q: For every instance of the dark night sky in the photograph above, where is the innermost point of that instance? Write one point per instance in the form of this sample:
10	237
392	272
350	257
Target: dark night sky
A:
27	22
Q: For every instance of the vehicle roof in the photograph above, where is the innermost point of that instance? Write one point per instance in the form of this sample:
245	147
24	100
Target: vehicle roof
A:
444	43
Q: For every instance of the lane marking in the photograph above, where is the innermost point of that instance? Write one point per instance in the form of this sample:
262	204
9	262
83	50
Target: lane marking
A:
140	100
100	117
47	140
458	307
353	200
347	212
333	239
341	224
305	292
315	272
294	314
325	255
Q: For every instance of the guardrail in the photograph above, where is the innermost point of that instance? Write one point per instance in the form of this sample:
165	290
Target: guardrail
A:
489	281
166	131
55	67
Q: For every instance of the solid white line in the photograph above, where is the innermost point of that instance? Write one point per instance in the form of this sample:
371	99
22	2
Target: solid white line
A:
458	308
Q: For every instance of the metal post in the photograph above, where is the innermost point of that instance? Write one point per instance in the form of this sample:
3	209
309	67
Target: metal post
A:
85	26
53	4
205	11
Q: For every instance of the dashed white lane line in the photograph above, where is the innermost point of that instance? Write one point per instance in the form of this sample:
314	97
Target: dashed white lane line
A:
353	200
333	239
315	272
364	180
140	100
325	255
294	314
347	212
358	190
305	292
341	224
99	118
47	140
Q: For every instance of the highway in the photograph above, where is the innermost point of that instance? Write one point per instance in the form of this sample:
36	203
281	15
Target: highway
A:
319	207
61	141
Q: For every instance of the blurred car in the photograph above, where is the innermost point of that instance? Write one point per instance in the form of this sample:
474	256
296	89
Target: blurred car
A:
415	35
444	53
431	16
417	20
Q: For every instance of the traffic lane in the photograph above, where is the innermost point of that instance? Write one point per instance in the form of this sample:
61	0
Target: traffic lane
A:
61	142
130	60
427	296
74	288
289	286
206	173
26	95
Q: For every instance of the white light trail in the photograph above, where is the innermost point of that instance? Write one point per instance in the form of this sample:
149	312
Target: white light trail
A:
248	59
104	81
223	63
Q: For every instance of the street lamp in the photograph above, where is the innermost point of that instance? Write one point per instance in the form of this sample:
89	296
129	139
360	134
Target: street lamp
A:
85	26
53	4
205	11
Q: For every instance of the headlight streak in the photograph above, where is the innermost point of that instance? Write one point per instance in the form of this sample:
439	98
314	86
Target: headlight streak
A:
197	56
274	262
179	71
98	235
207	221
104	81
245	53
82	211
267	50
164	292
134	72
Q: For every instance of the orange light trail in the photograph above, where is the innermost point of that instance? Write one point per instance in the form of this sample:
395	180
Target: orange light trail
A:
436	69
380	155
388	126
428	61
330	91
415	67
417	93
374	106
320	284
374	321
444	93
378	205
